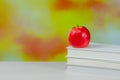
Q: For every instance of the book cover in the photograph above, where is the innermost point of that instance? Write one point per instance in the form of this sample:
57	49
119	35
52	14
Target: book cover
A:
99	47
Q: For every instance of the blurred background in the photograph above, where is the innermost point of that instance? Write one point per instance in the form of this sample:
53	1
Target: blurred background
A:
37	30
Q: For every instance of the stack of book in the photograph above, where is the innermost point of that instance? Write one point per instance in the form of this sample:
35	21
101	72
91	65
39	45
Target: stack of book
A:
96	55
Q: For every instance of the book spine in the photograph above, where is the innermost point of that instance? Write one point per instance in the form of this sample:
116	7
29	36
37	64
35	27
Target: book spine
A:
115	57
93	63
93	71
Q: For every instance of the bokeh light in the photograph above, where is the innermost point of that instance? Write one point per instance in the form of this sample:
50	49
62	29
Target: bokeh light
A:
37	30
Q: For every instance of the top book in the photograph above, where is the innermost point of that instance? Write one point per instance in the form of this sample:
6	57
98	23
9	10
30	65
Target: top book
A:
99	47
96	51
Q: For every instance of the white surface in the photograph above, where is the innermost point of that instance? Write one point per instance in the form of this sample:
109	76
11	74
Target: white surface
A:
31	71
45	71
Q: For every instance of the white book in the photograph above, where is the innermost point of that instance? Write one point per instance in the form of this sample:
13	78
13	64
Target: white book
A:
75	70
96	51
93	63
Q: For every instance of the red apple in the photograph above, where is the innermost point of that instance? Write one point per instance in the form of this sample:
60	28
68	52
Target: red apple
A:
79	37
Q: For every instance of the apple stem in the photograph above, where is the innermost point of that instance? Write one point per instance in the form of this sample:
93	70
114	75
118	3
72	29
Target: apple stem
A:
77	25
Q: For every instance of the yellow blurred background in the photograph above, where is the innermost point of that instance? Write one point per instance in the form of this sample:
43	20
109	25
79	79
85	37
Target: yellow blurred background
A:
37	30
